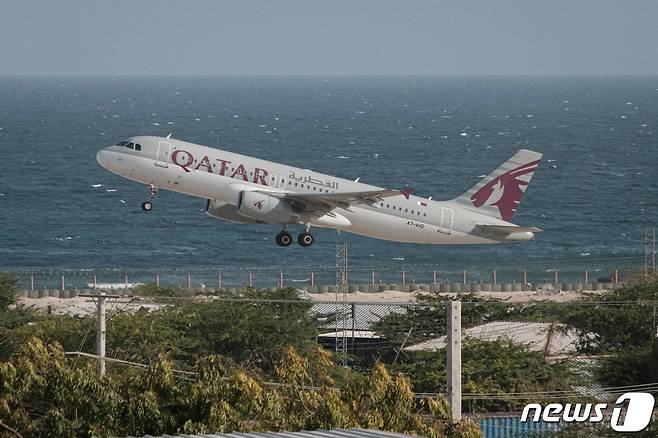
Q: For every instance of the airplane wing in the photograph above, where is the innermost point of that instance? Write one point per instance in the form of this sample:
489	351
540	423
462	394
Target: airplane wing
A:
329	201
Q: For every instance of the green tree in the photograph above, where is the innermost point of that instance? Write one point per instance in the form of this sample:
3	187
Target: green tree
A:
251	330
151	290
634	366
44	393
8	288
427	319
73	333
496	367
617	320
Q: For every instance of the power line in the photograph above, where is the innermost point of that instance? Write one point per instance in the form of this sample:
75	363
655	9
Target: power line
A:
646	387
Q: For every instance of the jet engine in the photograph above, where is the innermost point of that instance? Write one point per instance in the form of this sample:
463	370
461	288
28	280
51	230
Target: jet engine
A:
227	212
266	208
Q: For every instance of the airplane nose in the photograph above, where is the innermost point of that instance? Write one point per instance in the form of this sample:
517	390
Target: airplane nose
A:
102	157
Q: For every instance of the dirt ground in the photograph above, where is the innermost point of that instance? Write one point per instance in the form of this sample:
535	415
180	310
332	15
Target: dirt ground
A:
78	305
85	306
406	297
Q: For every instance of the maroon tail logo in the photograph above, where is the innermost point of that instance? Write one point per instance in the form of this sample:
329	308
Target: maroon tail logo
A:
505	191
259	204
406	192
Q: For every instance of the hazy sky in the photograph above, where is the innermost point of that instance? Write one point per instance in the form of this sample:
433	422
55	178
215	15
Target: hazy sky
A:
214	37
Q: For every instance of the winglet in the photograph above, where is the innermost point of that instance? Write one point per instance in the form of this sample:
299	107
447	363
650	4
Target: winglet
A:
406	192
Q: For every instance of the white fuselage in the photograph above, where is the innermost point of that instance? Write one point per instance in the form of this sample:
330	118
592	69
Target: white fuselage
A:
220	175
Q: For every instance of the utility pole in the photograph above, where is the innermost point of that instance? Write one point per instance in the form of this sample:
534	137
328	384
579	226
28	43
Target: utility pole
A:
101	332
454	344
649	251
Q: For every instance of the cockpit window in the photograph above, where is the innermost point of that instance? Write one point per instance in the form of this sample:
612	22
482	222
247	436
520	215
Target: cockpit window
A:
130	145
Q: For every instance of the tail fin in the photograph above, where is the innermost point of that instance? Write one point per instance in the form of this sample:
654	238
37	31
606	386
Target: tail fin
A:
500	193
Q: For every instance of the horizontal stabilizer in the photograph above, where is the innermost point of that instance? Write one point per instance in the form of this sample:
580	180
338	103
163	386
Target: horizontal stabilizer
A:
509	229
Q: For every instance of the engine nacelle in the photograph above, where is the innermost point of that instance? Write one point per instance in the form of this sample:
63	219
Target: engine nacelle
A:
266	208
523	236
226	211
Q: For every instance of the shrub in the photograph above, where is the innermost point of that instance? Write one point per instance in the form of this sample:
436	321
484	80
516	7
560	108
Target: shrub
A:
8	286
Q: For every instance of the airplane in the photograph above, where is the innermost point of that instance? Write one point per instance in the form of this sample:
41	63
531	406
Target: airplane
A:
246	190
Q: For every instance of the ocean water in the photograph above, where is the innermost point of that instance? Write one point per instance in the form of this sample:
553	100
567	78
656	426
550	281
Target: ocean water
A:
593	194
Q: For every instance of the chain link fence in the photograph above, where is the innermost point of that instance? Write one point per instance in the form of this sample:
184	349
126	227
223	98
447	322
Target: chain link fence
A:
554	272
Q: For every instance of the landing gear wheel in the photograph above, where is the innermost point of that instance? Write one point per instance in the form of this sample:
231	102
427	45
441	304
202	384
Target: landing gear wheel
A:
146	205
283	239
305	239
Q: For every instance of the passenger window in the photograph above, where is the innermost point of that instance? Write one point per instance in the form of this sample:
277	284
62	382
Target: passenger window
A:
406	210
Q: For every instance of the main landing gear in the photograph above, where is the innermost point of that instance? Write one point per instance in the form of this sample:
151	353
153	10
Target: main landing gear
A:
304	239
147	205
284	238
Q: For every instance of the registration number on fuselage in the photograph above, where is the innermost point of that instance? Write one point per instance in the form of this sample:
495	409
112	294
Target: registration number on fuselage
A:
415	224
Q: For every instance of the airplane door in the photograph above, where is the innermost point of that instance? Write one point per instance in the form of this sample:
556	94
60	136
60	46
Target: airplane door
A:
447	218
164	150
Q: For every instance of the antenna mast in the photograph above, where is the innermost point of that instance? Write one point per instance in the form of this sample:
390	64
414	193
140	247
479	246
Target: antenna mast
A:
341	302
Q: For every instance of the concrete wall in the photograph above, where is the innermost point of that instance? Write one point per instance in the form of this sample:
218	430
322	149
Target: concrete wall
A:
369	288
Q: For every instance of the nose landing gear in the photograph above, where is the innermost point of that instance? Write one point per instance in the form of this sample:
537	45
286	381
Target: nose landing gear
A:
147	205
